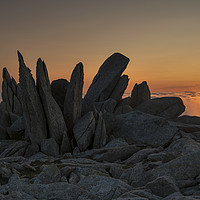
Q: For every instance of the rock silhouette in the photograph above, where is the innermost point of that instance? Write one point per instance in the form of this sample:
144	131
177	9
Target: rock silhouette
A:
57	144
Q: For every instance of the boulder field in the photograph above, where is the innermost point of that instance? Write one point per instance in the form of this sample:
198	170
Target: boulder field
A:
58	143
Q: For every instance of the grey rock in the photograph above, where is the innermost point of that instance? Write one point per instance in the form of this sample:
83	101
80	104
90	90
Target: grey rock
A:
178	196
32	106
116	171
105	106
59	90
163	186
140	128
118	142
119	89
190	190
73	98
186	119
106	79
139	94
32	149
3	133
73	178
123	109
4	116
154	157
49	174
184	146
84	131
55	120
17	129
16	149
13	117
177	168
17	195
50	147
104	187
167	107
100	135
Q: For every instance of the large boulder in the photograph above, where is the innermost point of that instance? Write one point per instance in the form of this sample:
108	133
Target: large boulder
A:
107	78
84	131
139	94
167	107
32	107
55	120
59	90
140	128
73	98
120	88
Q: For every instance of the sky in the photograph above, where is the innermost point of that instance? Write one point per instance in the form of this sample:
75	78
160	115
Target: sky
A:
161	38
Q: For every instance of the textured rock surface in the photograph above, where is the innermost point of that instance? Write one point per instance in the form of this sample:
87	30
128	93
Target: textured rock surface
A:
55	120
167	107
84	131
106	78
50	147
138	127
59	90
139	94
32	106
73	98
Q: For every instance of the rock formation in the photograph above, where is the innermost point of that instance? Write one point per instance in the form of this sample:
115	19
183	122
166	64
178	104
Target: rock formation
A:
115	148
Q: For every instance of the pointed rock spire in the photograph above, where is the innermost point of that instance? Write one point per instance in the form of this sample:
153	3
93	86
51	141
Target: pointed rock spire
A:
56	124
32	106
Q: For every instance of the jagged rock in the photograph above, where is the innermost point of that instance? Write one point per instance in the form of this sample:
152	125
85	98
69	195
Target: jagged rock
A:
50	147
140	128
3	133
184	146
119	89
59	90
100	133
73	98
49	174
106	188
106	79
16	149
118	142
55	120
167	107
73	178
105	106
139	94
17	129
123	109
154	157
177	168
84	131
4	144
32	149
163	186
32	106
4	116
13	117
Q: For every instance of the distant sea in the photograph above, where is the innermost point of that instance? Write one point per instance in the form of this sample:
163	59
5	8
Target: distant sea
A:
190	99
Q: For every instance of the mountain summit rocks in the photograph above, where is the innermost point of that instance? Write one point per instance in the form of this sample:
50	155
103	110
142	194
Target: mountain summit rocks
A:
56	143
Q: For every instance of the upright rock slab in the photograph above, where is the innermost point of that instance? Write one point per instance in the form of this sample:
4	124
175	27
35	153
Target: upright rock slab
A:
140	93
107	78
32	106
55	120
137	127
73	98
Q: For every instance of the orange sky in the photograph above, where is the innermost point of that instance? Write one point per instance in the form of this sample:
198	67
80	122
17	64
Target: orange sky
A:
160	37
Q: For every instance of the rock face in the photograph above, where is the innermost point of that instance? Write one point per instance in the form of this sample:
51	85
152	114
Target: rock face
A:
49	147
73	98
140	93
84	131
59	90
55	120
167	107
32	106
106	79
141	128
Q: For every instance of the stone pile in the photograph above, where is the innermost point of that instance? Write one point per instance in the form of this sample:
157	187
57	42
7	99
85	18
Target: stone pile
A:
57	144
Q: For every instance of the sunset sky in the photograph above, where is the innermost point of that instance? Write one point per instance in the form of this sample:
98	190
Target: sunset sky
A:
161	38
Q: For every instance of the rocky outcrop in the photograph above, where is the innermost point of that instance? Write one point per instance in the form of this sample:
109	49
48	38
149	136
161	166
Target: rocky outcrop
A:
106	79
73	98
140	93
32	107
59	90
167	107
55	120
137	127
